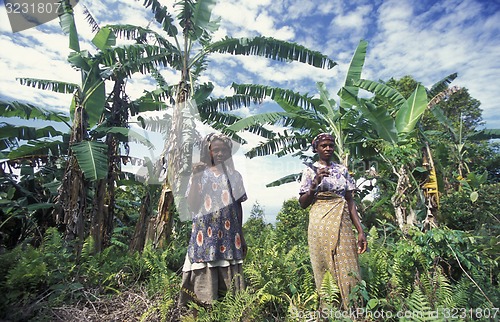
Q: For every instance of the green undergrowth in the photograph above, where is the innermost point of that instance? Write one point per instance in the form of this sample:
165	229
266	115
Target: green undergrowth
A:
427	274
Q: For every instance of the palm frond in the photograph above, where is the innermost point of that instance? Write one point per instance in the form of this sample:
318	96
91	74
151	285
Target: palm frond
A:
440	96
408	114
202	92
218	117
143	36
299	118
281	144
356	64
162	16
50	85
161	81
90	19
382	90
354	71
26	132
92	159
39	149
105	38
486	134
215	119
195	18
262	118
286	179
219	121
381	120
29	111
126	135
260	92
271	48
296	143
67	22
141	58
224	104
155	123
441	85
151	101
438	113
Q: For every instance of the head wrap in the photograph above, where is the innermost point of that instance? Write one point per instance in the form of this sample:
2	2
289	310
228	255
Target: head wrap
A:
206	143
321	137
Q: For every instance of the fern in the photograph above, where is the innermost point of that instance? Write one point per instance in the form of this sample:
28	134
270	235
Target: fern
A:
459	296
329	291
241	306
427	285
301	303
308	285
419	307
444	290
376	265
162	310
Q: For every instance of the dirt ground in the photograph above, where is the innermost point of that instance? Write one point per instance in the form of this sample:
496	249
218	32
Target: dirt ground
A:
127	306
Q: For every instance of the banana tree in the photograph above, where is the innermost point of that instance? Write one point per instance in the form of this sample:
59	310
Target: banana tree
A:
190	48
28	170
459	138
397	130
401	137
99	127
304	117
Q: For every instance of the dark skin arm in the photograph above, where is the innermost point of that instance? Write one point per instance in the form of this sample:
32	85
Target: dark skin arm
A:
353	212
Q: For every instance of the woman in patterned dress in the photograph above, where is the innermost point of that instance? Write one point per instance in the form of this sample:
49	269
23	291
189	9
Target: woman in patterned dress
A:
213	264
328	187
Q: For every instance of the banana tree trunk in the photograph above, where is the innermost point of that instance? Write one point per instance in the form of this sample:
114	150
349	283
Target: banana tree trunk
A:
102	216
174	148
405	216
72	194
431	191
139	238
103	210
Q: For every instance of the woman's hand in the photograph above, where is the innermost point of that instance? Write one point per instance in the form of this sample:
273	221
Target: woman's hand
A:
362	244
199	167
323	172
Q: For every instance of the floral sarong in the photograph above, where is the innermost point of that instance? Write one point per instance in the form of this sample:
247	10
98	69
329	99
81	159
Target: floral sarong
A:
332	243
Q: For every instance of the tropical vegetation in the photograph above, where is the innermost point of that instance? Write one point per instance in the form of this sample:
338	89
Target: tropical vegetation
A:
81	239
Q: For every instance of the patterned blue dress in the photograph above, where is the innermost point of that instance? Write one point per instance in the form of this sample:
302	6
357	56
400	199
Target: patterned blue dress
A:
216	230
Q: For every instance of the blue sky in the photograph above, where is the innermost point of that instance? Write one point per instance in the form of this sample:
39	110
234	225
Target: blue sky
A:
425	39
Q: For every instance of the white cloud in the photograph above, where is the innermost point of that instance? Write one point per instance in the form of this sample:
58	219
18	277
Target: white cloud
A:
248	19
4	20
353	19
433	45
